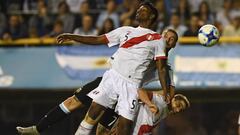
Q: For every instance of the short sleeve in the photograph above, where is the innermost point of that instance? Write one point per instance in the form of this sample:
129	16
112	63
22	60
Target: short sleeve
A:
113	37
160	50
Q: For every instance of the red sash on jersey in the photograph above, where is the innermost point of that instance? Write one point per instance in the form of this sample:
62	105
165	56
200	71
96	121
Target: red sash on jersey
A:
145	129
137	40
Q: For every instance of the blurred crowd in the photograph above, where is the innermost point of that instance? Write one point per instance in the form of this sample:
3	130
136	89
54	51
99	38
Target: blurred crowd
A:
48	18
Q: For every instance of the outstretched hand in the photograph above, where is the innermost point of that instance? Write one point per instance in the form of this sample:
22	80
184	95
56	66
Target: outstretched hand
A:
63	38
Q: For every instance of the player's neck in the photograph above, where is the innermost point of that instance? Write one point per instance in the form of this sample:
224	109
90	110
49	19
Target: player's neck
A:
145	25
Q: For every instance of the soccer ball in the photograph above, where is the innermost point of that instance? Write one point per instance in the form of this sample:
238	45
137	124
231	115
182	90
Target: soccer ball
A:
208	35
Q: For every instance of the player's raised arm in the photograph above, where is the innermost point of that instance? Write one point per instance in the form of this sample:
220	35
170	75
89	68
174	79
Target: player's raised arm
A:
90	40
163	74
171	82
111	39
170	39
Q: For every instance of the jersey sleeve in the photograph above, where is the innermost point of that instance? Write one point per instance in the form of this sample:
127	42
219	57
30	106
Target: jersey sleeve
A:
113	37
160	50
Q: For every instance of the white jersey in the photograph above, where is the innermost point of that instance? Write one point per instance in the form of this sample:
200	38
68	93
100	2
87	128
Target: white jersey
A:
146	120
138	47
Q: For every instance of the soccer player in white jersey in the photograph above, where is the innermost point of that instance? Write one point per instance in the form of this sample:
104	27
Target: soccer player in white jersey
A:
149	118
137	48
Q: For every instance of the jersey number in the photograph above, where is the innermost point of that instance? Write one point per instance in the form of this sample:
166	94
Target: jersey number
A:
133	104
126	36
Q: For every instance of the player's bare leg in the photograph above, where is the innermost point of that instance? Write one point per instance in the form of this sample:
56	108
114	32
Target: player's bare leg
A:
92	117
101	130
124	126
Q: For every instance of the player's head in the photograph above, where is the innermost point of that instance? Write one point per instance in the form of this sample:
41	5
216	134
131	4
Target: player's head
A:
171	37
179	103
147	12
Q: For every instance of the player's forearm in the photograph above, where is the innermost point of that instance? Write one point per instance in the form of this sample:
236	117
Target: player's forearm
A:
90	40
144	96
172	91
163	75
163	81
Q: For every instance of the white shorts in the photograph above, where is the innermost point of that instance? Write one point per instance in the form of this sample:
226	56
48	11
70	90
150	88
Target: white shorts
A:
115	89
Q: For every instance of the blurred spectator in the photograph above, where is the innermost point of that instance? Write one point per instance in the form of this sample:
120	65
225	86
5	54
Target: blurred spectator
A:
87	27
236	8
183	10
53	5
14	6
193	27
215	5
127	22
233	29
236	5
109	13
219	27
108	26
205	14
57	29
3	23
223	15
171	5
41	23
65	16
83	10
15	29
32	32
74	5
128	10
97	4
32	6
194	4
176	25
163	17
